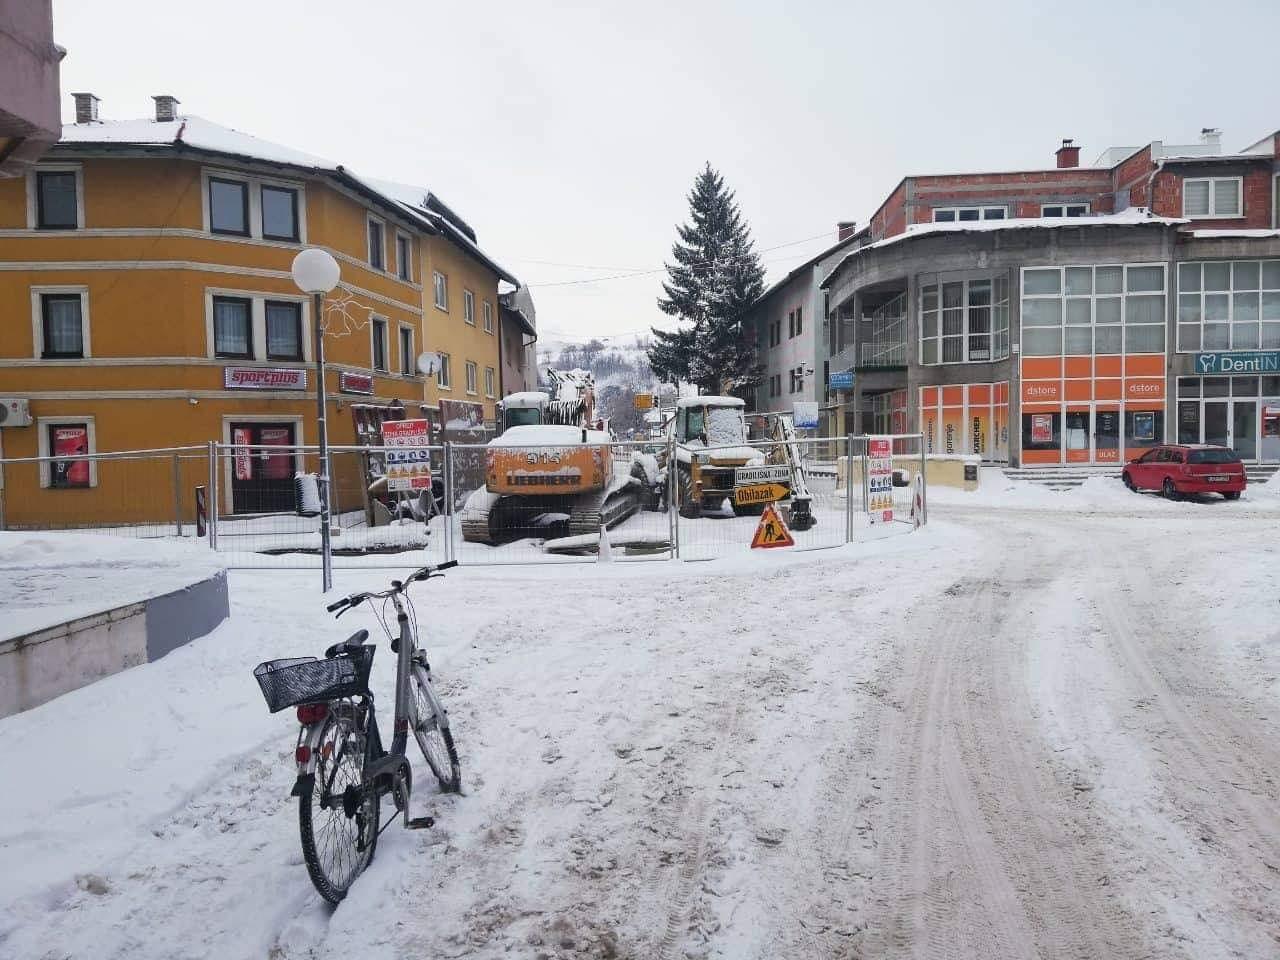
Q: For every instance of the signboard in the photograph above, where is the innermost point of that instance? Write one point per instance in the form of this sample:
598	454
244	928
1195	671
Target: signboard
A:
643	401
880	479
771	531
841	380
275	466
1267	361
408	458
758	493
806	414
264	378
461	415
244	456
69	442
772	473
1042	428
349	382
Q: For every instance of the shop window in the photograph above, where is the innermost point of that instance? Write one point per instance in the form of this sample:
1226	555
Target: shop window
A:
284	330
67	441
57	200
1041	431
1143	428
233	327
279	213
229	206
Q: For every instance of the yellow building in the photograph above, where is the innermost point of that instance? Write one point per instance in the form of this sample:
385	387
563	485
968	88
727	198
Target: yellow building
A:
146	302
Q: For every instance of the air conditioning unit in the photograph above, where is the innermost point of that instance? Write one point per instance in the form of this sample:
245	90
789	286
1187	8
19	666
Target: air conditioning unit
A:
15	412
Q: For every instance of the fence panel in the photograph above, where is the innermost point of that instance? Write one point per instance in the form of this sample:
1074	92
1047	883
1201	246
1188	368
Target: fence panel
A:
139	494
720	506
544	526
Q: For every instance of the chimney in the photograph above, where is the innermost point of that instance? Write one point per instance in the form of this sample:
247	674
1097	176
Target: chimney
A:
1068	155
1211	137
86	107
846	229
166	108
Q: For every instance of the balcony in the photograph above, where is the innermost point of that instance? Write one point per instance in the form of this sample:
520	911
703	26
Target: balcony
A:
881	354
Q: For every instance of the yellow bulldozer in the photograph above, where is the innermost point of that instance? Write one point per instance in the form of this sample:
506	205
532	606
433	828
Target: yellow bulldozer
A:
551	471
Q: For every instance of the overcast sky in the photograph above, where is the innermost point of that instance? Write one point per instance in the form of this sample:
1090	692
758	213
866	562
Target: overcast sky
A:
568	135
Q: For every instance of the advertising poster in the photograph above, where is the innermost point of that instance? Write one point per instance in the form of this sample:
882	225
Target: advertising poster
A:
244	456
880	479
1041	428
275	466
806	414
408	454
70	442
952	430
1144	426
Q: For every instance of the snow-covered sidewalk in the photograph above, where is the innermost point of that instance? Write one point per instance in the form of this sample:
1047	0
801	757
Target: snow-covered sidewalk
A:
1008	735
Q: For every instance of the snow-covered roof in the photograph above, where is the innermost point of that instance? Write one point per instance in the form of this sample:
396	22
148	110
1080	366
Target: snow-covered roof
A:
416	204
1133	216
710	401
546	434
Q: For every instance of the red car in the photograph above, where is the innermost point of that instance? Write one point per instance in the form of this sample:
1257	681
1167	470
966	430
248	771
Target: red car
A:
1190	468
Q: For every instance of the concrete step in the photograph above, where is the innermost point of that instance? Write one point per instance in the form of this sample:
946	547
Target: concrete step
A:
1066	477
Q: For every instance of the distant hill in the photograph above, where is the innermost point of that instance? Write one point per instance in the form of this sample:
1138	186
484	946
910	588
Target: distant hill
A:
620	365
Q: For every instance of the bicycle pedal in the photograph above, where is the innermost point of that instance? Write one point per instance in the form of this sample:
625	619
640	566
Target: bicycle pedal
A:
421	823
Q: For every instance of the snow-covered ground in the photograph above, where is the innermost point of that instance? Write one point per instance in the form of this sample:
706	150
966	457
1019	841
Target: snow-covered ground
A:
1045	731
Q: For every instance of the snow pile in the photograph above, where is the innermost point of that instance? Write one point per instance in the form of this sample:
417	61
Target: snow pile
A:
49	578
547	435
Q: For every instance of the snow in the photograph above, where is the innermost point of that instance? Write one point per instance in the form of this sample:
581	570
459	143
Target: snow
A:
547	434
525	399
709	401
1026	730
47	579
1228	234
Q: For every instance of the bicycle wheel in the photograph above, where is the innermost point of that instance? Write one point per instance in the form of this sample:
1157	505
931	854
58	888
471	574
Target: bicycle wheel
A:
435	740
337	817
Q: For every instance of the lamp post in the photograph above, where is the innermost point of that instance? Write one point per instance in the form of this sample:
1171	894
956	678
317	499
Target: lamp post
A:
316	272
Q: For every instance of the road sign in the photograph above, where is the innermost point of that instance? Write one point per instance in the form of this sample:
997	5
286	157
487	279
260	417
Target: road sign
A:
841	380
880	479
642	401
770	473
771	531
758	493
408	455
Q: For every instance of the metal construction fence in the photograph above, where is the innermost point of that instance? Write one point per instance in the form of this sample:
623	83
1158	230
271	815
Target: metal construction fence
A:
259	507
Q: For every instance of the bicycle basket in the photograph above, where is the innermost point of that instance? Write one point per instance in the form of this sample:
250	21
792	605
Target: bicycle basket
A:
289	682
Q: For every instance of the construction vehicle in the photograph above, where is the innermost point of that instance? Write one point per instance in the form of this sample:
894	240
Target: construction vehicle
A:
716	465
551	471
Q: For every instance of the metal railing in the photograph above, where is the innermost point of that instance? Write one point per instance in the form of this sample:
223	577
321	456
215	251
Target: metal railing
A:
258	506
883	353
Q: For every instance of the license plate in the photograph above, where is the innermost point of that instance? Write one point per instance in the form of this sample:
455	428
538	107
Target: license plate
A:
1218	477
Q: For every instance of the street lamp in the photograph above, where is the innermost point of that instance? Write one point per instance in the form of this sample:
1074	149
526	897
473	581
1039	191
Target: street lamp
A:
316	272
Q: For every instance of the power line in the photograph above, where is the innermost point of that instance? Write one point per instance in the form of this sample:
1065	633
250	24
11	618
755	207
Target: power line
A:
662	269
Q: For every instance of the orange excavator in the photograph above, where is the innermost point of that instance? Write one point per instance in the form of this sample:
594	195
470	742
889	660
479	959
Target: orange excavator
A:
551	471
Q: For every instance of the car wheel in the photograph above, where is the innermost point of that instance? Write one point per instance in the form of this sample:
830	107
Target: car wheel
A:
1128	482
1168	489
1232	495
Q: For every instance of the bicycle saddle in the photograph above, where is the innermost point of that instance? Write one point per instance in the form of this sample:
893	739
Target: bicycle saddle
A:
348	645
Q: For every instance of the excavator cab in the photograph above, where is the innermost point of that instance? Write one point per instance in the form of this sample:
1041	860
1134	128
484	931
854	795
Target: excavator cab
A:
525	409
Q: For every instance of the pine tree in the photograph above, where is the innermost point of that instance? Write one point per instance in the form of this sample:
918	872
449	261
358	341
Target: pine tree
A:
716	276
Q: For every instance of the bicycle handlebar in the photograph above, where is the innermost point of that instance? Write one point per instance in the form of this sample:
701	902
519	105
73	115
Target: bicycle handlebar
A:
343	604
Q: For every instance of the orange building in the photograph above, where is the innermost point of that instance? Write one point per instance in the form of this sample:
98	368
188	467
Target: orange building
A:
148	303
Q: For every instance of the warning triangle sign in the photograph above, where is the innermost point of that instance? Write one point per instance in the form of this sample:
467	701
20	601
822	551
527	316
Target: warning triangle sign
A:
771	531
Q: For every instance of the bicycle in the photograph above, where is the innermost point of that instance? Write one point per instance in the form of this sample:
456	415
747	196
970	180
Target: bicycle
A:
343	770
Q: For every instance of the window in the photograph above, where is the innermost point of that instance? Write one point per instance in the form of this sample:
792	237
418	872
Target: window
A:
1078	311
407	359
1229	305
67	441
279	213
964	321
229	207
441	286
444	376
233	327
57	200
488	317
775	332
953	214
284	330
379	333
799	321
469	307
1207	197
488	382
471	376
404	257
791	324
1065	210
62	326
797	379
377	237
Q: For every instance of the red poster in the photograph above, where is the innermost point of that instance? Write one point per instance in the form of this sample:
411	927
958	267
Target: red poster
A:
70	442
1042	428
276	466
244	463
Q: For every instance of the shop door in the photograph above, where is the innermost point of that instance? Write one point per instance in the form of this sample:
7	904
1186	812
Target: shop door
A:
1076	428
1217	424
1106	436
1244	428
261	479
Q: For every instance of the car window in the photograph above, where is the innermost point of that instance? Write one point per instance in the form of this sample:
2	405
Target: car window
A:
1151	456
1173	456
1217	455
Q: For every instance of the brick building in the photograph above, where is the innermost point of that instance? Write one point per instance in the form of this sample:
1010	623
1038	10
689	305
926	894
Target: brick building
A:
1074	315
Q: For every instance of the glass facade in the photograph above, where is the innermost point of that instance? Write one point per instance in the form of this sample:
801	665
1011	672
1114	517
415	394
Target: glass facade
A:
964	321
970	418
1229	305
1241	412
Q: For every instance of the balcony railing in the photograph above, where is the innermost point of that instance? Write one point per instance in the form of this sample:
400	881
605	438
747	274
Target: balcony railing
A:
891	353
